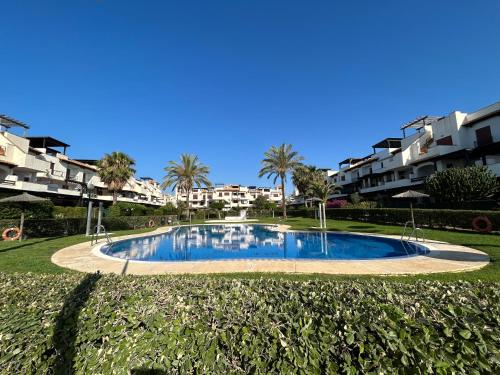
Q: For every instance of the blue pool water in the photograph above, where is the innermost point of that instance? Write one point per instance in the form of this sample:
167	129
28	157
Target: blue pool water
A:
244	241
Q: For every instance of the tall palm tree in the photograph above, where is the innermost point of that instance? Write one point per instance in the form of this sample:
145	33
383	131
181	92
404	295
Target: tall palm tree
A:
185	175
114	170
277	162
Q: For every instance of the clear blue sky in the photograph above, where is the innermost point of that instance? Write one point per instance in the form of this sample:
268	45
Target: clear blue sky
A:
227	79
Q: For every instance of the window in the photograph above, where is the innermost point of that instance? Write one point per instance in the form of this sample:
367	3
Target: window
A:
382	165
52	165
195	196
483	136
445	141
342	178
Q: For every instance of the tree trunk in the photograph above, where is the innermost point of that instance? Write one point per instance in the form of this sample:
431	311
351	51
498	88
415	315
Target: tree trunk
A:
188	193
283	198
115	197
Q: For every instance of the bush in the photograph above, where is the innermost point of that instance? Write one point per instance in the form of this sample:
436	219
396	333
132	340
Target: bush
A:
40	210
457	219
337	203
129	209
61	212
453	187
112	324
71	226
167	209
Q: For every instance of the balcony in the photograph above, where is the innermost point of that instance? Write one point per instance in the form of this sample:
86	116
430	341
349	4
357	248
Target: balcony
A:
404	182
420	153
35	164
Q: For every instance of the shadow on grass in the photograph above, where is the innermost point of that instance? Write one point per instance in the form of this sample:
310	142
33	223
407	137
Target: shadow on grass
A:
458	256
65	332
24	244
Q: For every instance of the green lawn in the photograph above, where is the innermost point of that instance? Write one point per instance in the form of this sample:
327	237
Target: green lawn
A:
34	255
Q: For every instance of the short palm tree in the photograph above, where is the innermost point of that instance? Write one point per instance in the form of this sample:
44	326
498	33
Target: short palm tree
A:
322	190
115	170
304	177
277	162
183	176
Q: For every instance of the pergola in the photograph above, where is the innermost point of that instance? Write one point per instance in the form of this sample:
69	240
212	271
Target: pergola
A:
419	123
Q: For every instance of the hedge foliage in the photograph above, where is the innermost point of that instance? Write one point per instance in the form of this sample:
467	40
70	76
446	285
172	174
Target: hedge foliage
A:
40	210
459	219
71	226
112	324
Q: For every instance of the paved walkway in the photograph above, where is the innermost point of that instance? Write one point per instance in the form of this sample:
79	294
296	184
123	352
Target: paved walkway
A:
443	257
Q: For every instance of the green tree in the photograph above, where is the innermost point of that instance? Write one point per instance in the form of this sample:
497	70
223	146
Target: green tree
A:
304	177
217	206
167	209
115	170
455	186
277	163
184	176
261	203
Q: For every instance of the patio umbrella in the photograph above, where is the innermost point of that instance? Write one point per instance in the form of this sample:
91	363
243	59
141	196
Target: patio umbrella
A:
411	194
24	199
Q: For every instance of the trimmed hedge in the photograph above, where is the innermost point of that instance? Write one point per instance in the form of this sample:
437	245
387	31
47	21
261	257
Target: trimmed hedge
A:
71	226
39	210
458	219
112	324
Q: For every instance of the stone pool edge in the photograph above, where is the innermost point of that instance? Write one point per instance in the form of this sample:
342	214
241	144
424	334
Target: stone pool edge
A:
442	257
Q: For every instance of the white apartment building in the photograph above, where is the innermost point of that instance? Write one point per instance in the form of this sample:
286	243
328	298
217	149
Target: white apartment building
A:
40	165
233	196
436	143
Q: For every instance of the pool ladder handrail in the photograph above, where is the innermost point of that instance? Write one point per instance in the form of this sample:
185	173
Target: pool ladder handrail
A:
97	231
415	232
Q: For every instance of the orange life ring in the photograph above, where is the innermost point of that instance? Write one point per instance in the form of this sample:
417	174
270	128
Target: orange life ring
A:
482	224
6	237
151	223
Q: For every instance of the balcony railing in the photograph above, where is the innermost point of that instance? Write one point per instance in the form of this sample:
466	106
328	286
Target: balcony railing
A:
418	179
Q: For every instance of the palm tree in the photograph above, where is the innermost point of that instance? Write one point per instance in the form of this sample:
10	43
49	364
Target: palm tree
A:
303	177
277	162
185	175
114	170
323	189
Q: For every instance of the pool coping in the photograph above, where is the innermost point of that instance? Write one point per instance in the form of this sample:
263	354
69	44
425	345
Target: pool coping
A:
442	257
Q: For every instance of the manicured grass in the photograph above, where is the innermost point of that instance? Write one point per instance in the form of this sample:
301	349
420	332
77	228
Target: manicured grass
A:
34	255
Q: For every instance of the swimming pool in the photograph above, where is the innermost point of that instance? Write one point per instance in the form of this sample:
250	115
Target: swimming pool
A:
255	241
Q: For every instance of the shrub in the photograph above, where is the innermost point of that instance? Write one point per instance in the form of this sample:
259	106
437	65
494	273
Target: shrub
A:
129	209
167	209
337	203
362	204
40	210
457	219
61	212
71	226
105	324
455	186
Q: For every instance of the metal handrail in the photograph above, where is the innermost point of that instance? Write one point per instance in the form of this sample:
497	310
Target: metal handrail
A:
415	233
97	231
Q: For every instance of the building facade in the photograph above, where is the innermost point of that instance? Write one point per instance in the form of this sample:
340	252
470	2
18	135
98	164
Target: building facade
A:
40	165
233	196
429	144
